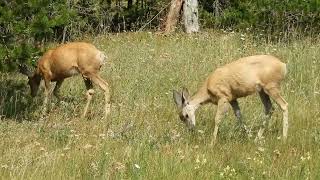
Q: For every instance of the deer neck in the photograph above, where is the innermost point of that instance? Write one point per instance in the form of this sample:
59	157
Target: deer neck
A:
200	98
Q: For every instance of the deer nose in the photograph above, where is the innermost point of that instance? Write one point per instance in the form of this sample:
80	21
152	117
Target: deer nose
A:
191	126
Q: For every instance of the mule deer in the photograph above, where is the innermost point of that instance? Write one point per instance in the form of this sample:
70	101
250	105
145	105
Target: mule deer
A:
65	61
260	73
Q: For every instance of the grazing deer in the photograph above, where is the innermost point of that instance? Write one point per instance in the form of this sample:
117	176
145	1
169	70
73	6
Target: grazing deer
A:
65	61
260	73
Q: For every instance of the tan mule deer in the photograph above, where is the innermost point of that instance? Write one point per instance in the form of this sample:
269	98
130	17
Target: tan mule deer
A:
65	61
260	73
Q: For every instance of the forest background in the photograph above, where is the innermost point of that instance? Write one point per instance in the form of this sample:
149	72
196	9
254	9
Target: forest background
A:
27	26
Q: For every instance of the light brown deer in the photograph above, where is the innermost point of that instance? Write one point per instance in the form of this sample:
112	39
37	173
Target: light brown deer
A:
260	73
65	61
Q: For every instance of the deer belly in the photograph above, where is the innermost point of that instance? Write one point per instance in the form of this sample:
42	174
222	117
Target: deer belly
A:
73	71
242	92
67	73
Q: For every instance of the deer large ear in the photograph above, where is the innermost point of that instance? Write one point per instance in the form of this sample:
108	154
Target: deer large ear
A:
185	95
177	96
23	69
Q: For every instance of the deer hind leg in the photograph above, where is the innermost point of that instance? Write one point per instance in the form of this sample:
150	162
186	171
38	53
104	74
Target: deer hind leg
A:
89	94
265	99
221	110
274	93
105	87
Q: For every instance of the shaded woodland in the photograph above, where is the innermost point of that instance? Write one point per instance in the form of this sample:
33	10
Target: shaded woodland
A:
27	26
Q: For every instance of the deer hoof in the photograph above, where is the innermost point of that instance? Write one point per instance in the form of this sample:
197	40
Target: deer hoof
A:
90	92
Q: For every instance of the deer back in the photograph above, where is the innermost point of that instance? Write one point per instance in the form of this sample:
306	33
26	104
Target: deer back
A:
70	59
243	77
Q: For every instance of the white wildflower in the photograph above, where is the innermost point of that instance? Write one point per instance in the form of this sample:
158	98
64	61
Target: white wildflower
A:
87	146
137	166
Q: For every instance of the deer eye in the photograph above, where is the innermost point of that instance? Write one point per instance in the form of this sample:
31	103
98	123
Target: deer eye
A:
187	116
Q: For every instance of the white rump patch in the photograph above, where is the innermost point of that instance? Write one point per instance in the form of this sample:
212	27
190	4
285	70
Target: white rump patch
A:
101	57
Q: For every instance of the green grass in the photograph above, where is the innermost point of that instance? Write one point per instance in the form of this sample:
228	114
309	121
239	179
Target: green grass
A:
143	137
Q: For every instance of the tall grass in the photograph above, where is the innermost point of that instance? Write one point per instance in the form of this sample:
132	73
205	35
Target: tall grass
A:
143	138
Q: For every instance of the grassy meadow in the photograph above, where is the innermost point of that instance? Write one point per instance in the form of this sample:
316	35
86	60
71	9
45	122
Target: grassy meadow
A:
143	137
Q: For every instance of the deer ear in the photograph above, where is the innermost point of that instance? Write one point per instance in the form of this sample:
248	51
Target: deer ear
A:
177	96
23	69
185	95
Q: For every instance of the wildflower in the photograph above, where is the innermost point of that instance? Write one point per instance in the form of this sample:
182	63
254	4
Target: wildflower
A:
110	133
277	152
197	160
308	156
4	166
103	136
137	166
204	161
227	168
261	149
87	146
201	131
233	170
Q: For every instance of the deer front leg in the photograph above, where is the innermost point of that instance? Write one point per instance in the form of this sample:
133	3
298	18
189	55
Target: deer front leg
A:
221	110
236	109
46	97
56	89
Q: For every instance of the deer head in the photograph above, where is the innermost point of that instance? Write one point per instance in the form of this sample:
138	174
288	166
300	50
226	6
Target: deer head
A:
186	111
34	79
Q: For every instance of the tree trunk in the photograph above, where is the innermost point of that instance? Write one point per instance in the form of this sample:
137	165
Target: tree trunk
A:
190	15
173	15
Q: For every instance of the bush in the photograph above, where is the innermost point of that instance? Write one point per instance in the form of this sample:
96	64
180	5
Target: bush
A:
26	26
273	17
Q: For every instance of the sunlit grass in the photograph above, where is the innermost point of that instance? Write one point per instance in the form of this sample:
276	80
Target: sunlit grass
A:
143	138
